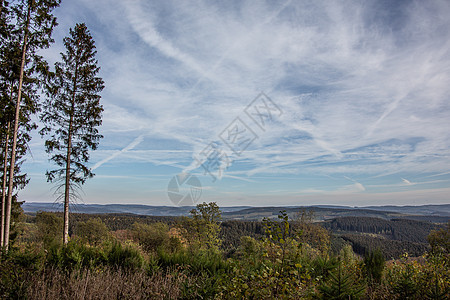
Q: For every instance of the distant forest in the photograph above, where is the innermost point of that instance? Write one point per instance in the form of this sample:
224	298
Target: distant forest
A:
364	234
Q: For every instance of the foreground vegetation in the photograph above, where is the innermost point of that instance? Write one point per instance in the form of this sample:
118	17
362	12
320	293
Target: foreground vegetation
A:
186	259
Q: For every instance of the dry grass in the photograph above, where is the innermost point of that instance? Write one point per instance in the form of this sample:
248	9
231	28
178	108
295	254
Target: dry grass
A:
106	284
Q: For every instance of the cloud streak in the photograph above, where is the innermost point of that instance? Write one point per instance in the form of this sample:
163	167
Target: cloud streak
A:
364	95
129	147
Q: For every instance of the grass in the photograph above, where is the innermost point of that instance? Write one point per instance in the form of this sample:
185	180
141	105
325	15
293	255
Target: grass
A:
108	283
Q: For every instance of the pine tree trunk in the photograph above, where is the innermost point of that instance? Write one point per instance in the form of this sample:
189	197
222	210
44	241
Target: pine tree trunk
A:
5	176
67	184
69	152
16	128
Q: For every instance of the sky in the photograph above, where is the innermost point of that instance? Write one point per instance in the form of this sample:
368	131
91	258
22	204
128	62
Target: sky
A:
266	103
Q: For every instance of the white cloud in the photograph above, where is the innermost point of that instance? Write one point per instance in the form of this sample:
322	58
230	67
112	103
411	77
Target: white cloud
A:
364	94
130	146
406	181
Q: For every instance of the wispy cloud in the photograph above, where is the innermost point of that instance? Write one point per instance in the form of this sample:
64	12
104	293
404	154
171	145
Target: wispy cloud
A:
130	146
364	95
406	181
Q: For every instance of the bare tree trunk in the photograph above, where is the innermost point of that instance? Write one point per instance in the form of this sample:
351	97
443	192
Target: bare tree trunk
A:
5	177
16	129
67	184
68	161
5	169
2	228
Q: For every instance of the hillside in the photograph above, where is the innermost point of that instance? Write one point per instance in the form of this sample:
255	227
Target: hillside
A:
393	237
433	213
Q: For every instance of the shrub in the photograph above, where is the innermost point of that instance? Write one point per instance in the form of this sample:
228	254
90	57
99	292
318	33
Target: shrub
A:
15	268
49	228
94	231
75	255
196	262
155	236
13	281
402	278
126	256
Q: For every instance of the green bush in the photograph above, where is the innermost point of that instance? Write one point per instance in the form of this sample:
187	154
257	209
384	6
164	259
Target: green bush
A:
269	269
196	262
31	258
124	256
13	281
74	255
50	228
403	279
15	268
93	231
155	236
439	240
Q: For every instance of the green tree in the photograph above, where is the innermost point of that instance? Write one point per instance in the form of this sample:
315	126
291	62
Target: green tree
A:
374	265
342	285
33	26
269	269
440	240
93	230
155	236
313	234
436	277
278	234
72	116
150	236
203	226
9	78
5	113
48	225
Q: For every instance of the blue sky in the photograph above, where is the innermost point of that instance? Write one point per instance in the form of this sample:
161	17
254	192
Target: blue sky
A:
359	100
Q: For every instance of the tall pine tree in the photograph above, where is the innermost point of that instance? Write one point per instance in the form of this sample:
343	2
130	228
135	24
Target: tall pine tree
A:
5	124
72	115
32	25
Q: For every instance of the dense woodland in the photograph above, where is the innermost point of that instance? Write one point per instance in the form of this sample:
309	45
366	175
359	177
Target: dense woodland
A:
395	229
393	237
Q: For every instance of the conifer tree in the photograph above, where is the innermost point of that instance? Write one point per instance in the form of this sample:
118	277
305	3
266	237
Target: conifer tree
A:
374	263
32	25
72	115
342	285
5	125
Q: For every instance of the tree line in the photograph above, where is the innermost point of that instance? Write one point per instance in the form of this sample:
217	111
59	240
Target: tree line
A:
321	235
65	98
395	229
